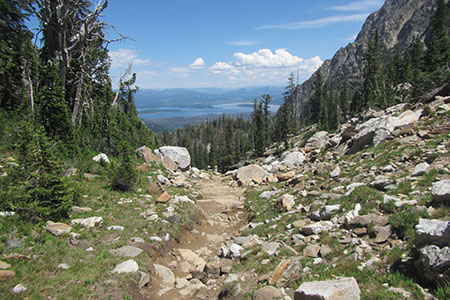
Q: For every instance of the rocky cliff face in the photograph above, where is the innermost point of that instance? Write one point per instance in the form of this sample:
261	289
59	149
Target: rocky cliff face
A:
398	22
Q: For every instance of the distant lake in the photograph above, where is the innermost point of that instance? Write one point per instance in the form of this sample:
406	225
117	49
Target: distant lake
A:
173	111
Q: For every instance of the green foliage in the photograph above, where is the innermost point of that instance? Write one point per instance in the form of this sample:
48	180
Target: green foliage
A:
285	118
404	222
38	192
261	124
124	176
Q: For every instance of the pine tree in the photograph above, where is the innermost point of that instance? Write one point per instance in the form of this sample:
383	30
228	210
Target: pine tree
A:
266	99
259	130
317	99
344	99
373	86
40	194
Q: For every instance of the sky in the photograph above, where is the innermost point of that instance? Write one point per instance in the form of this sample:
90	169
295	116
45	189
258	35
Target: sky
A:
229	43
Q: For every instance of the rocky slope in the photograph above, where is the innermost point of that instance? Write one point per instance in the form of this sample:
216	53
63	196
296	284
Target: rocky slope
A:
398	21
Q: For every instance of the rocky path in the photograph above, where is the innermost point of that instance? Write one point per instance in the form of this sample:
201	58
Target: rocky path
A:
183	271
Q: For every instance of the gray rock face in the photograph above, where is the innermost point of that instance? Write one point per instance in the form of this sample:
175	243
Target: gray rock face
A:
429	231
318	141
251	173
267	293
340	289
270	248
441	191
292	158
178	155
420	169
398	21
126	251
129	266
165	275
434	263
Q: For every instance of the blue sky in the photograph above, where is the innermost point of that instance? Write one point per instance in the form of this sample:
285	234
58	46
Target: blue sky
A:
211	43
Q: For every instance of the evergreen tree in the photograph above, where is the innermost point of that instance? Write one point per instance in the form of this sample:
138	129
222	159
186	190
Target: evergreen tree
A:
317	99
39	194
373	86
344	99
259	130
266	99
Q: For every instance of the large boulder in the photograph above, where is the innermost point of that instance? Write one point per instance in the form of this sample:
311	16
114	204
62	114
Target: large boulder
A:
319	140
371	132
441	191
340	289
178	155
245	175
146	153
430	231
292	158
434	264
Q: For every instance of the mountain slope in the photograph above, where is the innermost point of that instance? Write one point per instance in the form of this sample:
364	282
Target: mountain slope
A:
398	22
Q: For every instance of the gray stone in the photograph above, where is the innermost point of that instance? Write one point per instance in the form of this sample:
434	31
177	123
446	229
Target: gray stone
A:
235	250
137	240
126	251
178	155
319	141
367	219
115	227
14	244
88	222
57	229
270	247
145	279
78	209
20	288
231	278
101	156
420	169
251	173
63	266
286	202
336	172
328	210
434	263
381	183
316	228
166	275
383	233
371	132
339	289
441	191
430	231
267	293
311	251
175	218
292	158
129	266
195	263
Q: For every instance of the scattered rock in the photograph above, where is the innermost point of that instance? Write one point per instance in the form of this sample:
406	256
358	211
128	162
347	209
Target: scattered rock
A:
292	158
434	263
246	175
57	229
311	251
115	227
319	141
4	266
286	202
175	218
363	221
88	222
195	262
101	156
146	153
336	172
285	176
129	266
267	293
382	233
165	274
441	191
178	155
20	288
163	198
145	279
270	247
431	231
339	289
126	251
6	274
420	169
63	266
78	209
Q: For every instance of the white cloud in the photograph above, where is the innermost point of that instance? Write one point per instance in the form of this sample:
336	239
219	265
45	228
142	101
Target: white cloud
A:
221	66
266	58
181	72
120	58
323	22
264	66
242	43
199	63
364	5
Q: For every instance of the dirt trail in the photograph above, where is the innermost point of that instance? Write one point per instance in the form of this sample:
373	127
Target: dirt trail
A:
223	215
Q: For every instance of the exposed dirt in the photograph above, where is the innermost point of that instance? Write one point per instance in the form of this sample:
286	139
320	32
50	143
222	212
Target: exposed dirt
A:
223	214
